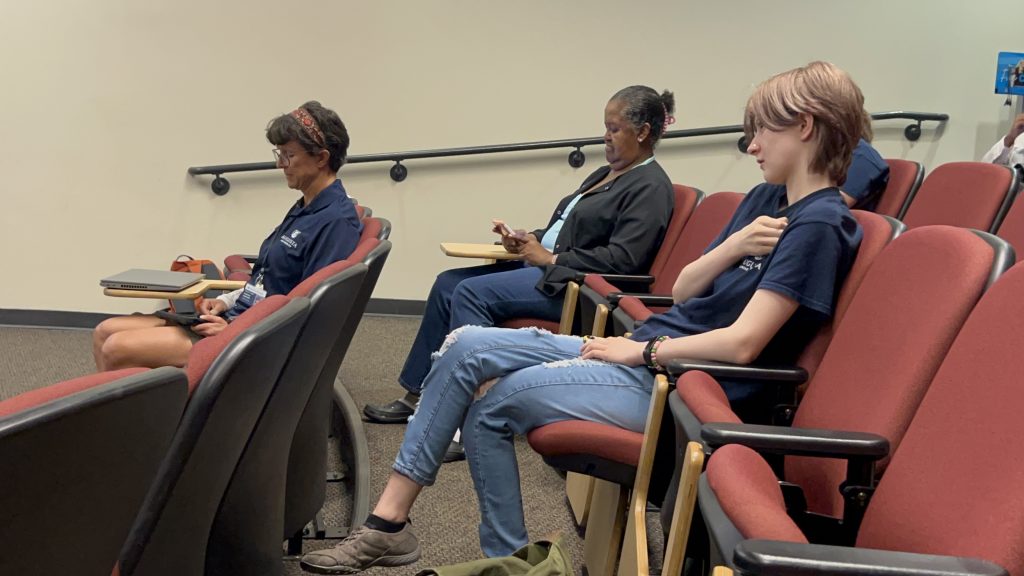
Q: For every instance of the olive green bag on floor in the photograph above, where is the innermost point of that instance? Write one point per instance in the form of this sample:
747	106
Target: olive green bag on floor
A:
542	558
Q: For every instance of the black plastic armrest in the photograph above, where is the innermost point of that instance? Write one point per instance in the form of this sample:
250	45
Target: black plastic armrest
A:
797	441
250	258
785	374
647	299
625	282
791	559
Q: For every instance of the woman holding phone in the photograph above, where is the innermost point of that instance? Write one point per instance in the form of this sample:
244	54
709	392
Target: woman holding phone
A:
612	224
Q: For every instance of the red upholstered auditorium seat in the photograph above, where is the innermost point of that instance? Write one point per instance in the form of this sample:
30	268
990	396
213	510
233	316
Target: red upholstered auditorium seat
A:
905	178
949	501
966	194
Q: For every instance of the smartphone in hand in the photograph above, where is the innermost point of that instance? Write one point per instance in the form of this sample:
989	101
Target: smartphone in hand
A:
501	228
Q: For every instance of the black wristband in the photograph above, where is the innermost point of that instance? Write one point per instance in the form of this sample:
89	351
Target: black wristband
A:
647	353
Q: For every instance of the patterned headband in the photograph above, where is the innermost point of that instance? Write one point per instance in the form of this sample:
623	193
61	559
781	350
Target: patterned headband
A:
308	124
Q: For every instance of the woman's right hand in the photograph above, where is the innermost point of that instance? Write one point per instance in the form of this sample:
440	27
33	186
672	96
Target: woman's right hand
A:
212	307
759	237
514	244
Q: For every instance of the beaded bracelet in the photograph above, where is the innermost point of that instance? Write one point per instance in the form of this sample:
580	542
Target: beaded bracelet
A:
650	355
654	353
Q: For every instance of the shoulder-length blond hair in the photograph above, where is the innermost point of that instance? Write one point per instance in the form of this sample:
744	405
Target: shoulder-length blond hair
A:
826	93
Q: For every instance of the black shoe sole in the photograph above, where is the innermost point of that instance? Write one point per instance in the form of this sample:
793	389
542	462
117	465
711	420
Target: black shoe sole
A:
451	456
385	418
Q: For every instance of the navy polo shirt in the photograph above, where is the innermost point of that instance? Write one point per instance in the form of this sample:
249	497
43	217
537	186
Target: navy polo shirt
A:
309	238
867	177
808	265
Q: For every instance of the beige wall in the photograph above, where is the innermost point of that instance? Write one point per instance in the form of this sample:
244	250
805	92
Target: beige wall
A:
105	104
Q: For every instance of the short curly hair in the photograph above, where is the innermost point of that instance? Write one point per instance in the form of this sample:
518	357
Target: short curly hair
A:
285	128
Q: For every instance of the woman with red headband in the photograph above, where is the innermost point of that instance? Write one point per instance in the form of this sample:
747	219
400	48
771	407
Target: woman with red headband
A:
320	228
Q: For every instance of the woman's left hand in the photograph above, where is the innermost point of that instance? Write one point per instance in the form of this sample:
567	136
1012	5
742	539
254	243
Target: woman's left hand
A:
618	350
532	252
211	326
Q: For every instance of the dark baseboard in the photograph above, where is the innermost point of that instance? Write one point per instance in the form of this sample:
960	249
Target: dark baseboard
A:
51	318
69	319
392	307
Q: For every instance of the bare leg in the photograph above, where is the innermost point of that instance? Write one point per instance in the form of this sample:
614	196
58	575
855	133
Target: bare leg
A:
397	499
117	324
146	347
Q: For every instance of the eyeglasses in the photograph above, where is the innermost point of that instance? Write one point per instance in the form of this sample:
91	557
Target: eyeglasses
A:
282	157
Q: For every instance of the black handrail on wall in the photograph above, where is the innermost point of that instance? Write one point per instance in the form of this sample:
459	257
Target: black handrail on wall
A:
399	172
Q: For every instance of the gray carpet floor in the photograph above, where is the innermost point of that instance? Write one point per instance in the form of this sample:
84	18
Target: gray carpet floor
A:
445	516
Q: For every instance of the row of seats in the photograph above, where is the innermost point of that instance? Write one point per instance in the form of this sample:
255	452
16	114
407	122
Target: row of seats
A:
914	280
224	486
192	471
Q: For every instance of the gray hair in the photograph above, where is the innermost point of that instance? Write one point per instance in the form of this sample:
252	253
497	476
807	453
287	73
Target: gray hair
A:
643	105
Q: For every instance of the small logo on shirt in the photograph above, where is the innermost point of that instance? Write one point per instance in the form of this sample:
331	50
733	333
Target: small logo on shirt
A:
751	263
289	240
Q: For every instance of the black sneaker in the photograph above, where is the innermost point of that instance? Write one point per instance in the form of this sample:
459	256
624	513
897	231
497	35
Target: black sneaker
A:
396	412
364	548
454	453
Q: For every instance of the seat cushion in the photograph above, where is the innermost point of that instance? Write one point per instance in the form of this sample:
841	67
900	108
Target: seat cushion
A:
598	284
581	437
46	394
635	309
749	494
705	398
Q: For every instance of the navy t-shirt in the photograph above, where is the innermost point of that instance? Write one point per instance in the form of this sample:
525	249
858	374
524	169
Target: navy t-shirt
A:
808	265
867	177
309	238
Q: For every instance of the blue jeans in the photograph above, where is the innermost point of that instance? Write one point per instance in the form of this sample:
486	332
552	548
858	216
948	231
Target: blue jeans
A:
475	296
542	380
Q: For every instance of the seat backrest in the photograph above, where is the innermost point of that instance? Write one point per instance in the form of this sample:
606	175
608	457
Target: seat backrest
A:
966	194
373	227
77	459
905	178
902	320
307	464
246	533
878	231
708	219
954	485
1012	228
232	375
686	199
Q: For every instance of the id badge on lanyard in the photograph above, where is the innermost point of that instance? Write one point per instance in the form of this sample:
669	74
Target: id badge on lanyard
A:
253	291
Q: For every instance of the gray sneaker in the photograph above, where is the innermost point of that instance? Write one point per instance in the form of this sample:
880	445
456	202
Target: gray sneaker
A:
364	548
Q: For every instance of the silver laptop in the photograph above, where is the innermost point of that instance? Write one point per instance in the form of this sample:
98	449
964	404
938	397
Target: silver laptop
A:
155	280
